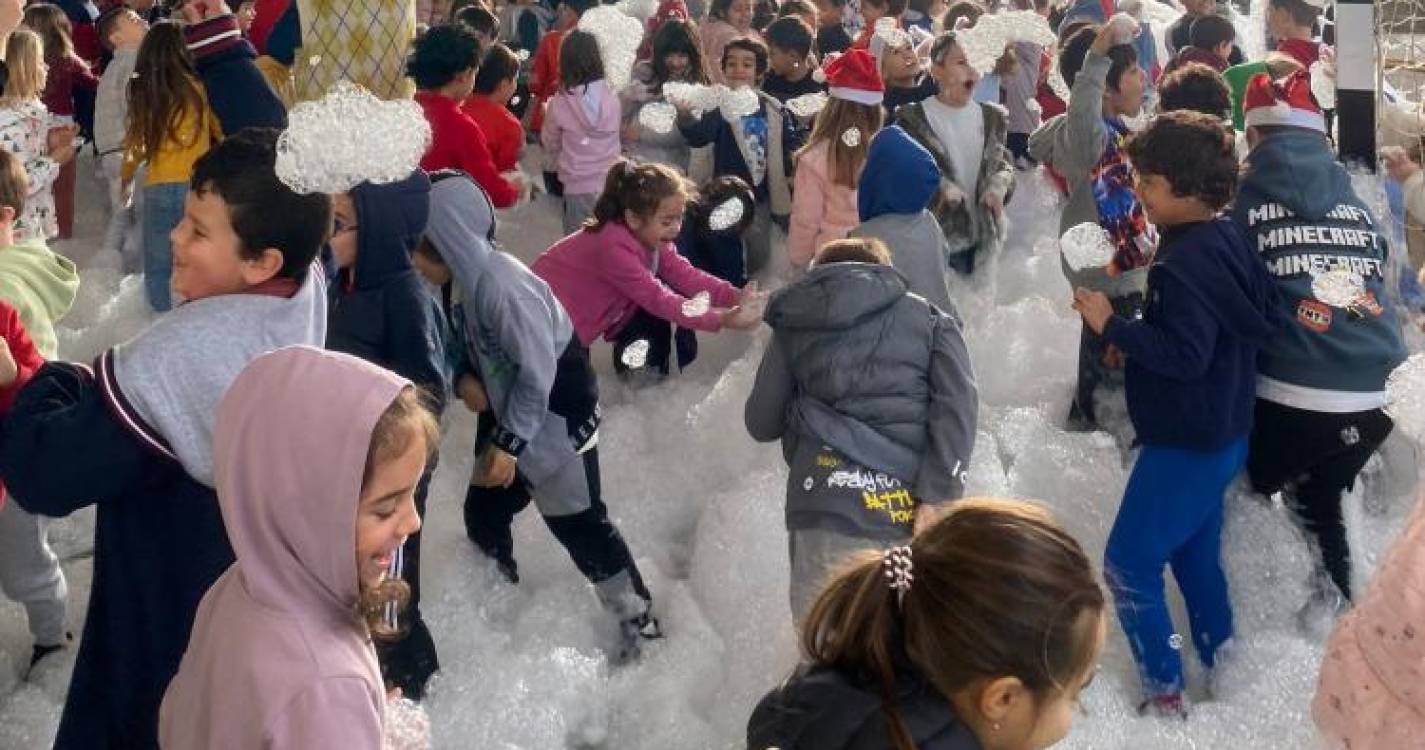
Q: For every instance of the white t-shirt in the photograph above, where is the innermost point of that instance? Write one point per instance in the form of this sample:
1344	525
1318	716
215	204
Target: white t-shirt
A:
961	131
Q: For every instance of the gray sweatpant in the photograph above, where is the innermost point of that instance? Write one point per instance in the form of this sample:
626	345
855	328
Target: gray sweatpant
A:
577	208
30	573
817	554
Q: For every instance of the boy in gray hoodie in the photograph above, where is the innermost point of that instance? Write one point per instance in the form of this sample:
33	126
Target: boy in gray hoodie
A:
121	31
871	392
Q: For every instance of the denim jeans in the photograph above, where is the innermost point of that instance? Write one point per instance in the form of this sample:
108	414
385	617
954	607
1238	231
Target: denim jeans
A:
162	210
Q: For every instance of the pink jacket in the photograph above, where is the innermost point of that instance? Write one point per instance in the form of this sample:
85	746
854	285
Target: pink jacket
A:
581	145
603	276
715	34
278	657
1371	695
822	211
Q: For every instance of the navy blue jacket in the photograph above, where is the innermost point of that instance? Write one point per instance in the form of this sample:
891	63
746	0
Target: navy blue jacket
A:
712	128
237	91
1192	358
380	309
159	544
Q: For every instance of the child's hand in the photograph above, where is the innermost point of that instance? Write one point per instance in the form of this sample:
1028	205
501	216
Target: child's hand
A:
1398	164
60	139
741	318
993	203
630	132
950	194
1094	307
499	469
9	370
472	392
1114	358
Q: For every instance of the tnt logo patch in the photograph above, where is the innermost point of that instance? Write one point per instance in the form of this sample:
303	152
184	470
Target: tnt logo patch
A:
1314	315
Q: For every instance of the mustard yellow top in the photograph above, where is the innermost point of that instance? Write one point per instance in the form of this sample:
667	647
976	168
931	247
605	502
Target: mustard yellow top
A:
174	160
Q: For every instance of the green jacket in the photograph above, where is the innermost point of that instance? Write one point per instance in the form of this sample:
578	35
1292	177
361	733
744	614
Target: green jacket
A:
41	285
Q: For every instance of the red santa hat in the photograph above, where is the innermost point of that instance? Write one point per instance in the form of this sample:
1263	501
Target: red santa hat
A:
854	77
1287	101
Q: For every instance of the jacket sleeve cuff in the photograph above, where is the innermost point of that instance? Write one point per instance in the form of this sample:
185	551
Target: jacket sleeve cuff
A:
213	37
508	441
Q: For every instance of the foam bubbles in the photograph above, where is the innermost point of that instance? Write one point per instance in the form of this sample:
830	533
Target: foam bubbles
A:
658	117
726	215
619	35
348	137
1339	287
699	305
1405	390
1086	246
635	355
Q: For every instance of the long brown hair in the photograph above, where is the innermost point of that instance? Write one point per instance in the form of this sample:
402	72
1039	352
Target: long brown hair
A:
639	188
999	590
163	92
50	22
843	162
405	420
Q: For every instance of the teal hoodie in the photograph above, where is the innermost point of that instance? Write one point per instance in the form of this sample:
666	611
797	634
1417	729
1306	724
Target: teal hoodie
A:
41	286
1298	211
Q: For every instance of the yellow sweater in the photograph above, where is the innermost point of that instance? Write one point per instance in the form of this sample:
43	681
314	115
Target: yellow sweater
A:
174	160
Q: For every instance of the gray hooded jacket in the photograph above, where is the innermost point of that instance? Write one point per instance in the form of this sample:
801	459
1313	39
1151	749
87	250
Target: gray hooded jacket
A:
870	389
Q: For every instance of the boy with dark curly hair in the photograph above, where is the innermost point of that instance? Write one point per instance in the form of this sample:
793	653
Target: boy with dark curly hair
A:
1197	88
1191	377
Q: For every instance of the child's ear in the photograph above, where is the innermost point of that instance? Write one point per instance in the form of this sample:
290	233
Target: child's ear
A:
263	268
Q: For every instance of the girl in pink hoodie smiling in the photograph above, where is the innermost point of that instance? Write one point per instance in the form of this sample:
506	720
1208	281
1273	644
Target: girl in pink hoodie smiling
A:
317	456
581	127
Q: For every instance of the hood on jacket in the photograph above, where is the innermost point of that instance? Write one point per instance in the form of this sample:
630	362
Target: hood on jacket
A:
462	227
1297	168
289	452
51	280
900	176
590	105
835	296
1236	285
391	219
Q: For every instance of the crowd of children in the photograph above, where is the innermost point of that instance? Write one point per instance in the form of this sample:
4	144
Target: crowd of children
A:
260	457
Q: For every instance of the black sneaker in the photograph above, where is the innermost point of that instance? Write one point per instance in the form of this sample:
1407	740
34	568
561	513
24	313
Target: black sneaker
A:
632	633
40	652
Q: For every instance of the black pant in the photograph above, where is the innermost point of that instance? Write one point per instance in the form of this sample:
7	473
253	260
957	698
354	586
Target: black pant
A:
1313	457
409	662
1093	372
1018	144
663	341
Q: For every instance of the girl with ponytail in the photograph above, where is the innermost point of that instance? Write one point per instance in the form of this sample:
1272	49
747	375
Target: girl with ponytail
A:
621	275
981	633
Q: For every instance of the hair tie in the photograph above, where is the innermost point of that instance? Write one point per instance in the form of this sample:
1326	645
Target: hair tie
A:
899	570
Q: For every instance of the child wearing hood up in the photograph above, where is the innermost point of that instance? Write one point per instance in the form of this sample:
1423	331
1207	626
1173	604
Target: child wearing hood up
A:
581	127
522	367
133	436
899	181
870	390
317	456
380	311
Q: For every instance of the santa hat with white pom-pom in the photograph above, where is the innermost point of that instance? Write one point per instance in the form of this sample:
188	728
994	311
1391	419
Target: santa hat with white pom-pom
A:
1286	101
854	77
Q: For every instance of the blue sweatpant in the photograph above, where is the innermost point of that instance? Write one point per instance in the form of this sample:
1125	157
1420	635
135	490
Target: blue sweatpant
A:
1172	515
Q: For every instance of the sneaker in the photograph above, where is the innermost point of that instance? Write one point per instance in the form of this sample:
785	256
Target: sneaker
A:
632	634
1165	706
41	651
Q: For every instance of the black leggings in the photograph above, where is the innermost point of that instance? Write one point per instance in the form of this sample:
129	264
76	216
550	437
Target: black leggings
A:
409	662
1313	457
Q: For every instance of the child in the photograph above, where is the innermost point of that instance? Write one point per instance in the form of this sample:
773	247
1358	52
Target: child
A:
824	197
831	33
542	409
133	438
900	66
1321	381
487	105
312	450
444	62
1179	34
802	10
381	312
1211	45
756	148
1084	148
873	11
677	56
28	132
122	31
718	250
69	79
1404	166
1020	86
169	128
899	658
790	75
37	288
238	91
967	139
1191	375
581	127
727	20
900	179
870	390
480	20
1293	24
1197	88
622	272
544	77
1276	65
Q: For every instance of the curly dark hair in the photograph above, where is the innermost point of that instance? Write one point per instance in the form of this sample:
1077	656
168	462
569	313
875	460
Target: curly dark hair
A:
1197	88
1193	151
441	54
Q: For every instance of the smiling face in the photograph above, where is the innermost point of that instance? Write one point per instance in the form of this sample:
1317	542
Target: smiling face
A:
955	76
386	514
207	258
739	68
663	226
739	14
900	66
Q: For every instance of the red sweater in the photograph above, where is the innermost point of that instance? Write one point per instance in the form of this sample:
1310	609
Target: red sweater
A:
503	132
544	78
65	77
458	143
27	359
1303	51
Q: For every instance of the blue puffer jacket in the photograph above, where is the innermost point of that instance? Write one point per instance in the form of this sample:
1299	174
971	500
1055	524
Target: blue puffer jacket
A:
381	311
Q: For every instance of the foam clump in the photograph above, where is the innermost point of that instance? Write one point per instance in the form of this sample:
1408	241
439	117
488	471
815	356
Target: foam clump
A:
1086	246
618	35
1405	393
348	137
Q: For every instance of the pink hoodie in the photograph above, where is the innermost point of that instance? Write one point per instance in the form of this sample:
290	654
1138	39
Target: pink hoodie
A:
822	211
603	276
278	657
1371	695
581	136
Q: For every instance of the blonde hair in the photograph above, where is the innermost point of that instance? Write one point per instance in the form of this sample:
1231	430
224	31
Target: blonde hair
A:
25	62
843	162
